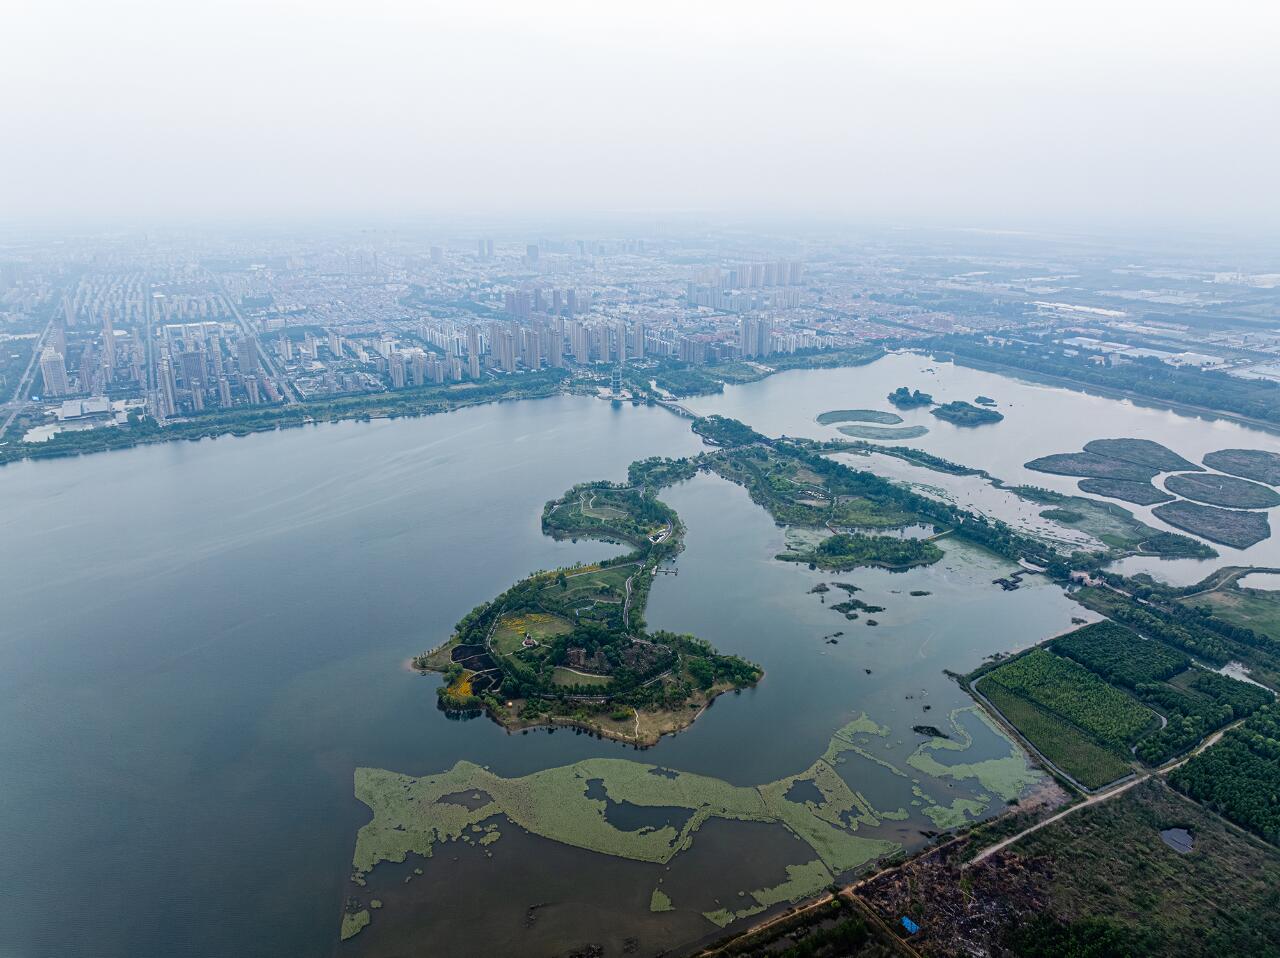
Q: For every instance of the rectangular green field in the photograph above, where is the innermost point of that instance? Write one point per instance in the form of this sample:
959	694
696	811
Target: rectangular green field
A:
1060	742
1072	692
1120	655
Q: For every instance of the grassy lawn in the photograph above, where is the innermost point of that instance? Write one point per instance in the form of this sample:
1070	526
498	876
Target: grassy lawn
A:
592	585
509	635
563	676
1250	608
1062	743
865	513
596	505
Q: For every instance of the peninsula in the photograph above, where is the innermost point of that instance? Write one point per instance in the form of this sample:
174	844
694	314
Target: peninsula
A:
569	646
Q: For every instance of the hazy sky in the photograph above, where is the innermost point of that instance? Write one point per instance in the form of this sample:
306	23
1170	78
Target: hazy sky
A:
949	112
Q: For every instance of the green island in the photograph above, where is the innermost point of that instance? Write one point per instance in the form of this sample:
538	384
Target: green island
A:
1115	526
1139	493
960	413
722	431
834	416
568	646
1230	527
1226	491
905	398
870	424
984	401
1252	464
844	551
572	804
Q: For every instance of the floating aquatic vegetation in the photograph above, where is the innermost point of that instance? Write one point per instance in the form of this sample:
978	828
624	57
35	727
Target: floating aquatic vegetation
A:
414	814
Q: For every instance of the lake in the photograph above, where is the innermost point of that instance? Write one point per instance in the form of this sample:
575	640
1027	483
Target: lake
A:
201	642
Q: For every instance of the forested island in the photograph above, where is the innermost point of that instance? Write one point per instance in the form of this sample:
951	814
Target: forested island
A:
904	398
960	413
569	646
850	550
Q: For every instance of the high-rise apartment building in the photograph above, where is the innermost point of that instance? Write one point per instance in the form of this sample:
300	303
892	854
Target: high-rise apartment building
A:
53	368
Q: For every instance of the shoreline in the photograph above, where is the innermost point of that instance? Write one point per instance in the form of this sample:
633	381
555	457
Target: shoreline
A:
551	722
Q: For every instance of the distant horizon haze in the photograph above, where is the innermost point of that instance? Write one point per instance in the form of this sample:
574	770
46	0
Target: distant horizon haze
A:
1077	116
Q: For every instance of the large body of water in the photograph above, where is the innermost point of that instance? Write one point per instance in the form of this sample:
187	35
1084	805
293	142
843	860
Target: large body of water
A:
200	642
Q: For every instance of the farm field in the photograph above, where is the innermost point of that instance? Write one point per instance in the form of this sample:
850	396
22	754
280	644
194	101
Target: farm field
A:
1121	655
1061	743
1071	692
1074	686
608	584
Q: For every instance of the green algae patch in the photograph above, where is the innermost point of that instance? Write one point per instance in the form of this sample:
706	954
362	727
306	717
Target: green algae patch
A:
659	901
1007	777
413	815
724	916
946	817
352	925
802	881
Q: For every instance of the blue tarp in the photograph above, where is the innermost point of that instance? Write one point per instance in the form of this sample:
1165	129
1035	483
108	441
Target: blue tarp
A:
910	925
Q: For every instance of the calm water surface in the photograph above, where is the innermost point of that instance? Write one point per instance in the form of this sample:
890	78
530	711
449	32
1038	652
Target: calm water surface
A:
202	641
1039	420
